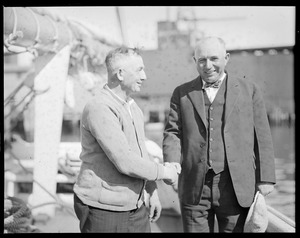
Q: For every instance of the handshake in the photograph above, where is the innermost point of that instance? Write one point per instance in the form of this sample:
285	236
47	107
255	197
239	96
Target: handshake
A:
171	172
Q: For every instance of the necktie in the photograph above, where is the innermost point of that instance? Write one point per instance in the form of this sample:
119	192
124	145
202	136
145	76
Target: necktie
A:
213	85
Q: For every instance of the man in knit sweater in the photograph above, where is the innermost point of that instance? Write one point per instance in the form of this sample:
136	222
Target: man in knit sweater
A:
115	170
218	131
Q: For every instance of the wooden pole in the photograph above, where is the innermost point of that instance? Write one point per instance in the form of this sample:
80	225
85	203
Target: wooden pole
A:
48	126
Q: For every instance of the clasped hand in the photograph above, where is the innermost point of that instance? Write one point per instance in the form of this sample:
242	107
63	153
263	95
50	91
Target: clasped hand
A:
171	172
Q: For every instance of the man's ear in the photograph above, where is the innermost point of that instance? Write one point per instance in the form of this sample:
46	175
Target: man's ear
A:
120	74
227	56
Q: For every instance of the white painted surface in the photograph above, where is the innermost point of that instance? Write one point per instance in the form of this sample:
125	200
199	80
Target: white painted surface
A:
48	124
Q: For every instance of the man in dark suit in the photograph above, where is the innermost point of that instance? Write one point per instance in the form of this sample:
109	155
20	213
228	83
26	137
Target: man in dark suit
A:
218	131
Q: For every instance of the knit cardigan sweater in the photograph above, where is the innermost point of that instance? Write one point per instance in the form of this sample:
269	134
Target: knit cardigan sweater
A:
115	163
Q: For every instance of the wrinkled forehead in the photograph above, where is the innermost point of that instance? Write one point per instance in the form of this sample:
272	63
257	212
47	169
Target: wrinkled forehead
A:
210	47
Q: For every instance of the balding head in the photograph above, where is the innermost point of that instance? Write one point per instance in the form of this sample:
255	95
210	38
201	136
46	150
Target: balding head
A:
211	40
211	58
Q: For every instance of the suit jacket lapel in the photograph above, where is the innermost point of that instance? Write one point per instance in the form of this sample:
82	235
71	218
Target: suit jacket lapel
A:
196	97
231	96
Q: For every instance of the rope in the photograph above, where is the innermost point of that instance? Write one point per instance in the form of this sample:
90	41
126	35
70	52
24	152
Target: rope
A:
16	90
15	21
33	94
32	49
8	43
58	201
17	216
37	37
55	38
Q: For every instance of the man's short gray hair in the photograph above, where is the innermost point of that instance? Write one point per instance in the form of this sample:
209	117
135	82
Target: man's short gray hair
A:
114	56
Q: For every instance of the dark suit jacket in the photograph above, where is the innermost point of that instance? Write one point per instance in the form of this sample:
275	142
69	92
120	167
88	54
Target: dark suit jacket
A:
246	132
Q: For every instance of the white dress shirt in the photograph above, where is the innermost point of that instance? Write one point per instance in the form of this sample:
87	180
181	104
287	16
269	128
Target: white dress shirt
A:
212	92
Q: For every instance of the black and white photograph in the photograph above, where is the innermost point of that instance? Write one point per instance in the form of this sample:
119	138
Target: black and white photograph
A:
149	119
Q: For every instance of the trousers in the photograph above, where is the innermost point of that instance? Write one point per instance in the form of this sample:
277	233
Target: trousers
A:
218	202
96	220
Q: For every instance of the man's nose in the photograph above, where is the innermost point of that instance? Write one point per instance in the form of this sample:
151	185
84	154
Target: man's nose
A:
143	76
208	64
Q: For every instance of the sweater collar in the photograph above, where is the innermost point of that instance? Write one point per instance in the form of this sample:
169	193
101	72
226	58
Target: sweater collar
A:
123	102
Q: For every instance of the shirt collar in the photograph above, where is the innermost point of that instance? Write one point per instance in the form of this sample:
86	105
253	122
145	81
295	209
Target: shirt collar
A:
222	78
119	99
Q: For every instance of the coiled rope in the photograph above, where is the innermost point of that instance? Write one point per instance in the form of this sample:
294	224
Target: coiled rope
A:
17	217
